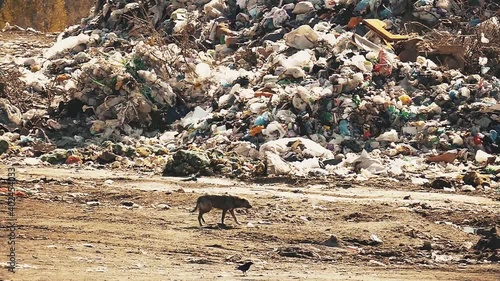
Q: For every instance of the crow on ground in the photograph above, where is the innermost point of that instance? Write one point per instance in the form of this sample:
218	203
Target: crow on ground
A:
245	267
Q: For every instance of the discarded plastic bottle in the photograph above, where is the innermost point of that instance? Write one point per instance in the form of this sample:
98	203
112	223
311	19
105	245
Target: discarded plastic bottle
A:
357	100
344	128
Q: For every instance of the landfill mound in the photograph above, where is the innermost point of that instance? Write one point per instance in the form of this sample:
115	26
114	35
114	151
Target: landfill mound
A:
360	89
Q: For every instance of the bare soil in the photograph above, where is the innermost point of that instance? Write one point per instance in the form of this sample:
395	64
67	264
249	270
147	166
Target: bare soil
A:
24	44
297	229
62	235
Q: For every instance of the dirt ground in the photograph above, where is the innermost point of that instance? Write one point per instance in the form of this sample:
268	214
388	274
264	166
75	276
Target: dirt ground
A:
24	44
296	230
63	235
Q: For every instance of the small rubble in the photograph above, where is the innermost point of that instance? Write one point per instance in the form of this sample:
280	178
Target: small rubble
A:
299	252
489	245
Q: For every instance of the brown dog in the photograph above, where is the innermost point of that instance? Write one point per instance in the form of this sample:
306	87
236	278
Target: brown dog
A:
226	203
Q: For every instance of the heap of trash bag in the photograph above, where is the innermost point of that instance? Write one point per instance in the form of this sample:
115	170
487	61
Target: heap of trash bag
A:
251	88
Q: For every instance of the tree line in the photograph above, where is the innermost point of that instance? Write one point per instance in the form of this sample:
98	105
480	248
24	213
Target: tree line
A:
44	15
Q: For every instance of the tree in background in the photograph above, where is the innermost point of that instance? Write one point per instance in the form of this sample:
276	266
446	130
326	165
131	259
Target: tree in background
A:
44	15
20	12
52	14
78	9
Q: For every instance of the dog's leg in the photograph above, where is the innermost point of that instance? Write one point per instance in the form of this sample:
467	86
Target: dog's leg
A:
200	218
223	216
234	217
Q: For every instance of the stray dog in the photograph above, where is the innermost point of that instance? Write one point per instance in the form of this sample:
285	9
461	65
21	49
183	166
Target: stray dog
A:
226	203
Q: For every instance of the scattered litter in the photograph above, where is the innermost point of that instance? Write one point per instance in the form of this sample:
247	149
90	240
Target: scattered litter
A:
163	207
302	89
93	203
375	239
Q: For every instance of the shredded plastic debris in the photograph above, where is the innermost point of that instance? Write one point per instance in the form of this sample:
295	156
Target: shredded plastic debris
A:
254	88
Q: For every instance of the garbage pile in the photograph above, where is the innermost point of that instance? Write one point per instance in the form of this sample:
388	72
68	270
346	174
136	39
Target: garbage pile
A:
244	88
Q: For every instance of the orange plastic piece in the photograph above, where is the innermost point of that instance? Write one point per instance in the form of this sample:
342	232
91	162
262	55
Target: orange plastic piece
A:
353	22
230	40
17	193
448	157
72	159
263	94
256	130
20	194
62	77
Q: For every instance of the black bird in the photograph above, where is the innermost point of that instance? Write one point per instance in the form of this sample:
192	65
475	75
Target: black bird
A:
245	267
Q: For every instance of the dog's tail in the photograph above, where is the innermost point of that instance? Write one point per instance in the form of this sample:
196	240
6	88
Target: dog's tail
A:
196	207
